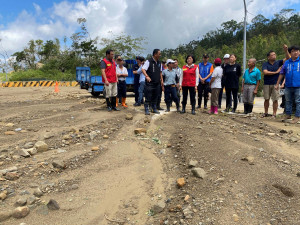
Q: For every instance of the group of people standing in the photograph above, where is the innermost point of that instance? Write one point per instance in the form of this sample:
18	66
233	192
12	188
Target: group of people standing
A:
152	77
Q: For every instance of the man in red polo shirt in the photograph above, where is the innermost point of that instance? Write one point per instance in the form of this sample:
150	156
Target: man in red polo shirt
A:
109	78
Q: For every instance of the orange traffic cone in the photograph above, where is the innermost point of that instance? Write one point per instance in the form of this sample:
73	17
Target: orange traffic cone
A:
56	89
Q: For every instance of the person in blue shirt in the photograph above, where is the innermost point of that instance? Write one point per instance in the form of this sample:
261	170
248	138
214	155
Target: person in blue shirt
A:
251	80
291	70
205	69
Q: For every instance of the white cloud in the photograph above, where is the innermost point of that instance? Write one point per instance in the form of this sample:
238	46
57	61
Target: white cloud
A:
165	23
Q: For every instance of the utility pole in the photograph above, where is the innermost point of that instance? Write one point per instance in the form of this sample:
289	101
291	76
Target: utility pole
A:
245	35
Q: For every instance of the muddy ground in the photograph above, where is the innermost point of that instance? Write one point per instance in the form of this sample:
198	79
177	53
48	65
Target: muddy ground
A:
100	172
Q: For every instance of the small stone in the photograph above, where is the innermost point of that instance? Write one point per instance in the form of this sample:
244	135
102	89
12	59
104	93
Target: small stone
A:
283	131
37	192
9	125
74	186
159	207
271	134
21	212
5	216
29	145
187	197
9	133
96	148
105	136
129	116
235	218
180	182
32	151
199	172
53	205
147	120
92	135
193	163
42	210
293	139
31	200
249	159
59	164
140	131
11	176
163	152
298	174
48	136
67	137
60	150
41	146
169	145
21	201
3	195
24	153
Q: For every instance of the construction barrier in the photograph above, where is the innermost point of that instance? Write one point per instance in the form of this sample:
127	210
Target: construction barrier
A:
45	83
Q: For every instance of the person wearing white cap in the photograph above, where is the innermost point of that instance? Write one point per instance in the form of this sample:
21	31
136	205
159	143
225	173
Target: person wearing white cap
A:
225	62
170	79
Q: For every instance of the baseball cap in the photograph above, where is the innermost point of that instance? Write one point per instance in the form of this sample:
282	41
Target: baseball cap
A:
170	61
226	56
205	56
218	61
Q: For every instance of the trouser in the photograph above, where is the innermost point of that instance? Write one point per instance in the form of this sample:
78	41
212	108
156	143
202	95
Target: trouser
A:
221	96
192	91
141	91
159	96
215	96
151	93
248	93
292	94
121	89
234	93
136	87
203	88
171	95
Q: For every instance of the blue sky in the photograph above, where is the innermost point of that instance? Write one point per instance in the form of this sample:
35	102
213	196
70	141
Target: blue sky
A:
165	23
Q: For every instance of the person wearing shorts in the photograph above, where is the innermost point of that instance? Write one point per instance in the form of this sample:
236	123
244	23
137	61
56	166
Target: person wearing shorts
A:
271	70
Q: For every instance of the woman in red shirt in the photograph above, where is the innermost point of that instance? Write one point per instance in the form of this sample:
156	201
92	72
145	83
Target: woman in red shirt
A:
189	80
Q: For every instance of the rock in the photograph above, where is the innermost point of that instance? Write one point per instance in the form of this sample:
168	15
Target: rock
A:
199	172
140	131
53	205
21	201
193	163
32	151
9	125
24	153
129	116
105	136
249	159
5	216
271	134
21	212
159	207
187	212
283	131
3	195
60	150
59	164
37	192
298	174
42	210
67	137
9	133
29	145
11	176
48	136
24	192
162	152
41	146
187	197
293	139
31	200
180	182
74	130
74	186
92	135
235	218
95	148
147	120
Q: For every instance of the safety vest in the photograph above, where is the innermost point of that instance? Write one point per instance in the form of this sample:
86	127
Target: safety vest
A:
189	76
110	71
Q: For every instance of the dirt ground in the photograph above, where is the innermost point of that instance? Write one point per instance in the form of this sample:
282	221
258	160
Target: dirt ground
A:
109	175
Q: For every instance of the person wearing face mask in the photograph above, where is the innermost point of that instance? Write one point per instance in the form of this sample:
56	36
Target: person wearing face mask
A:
232	73
189	81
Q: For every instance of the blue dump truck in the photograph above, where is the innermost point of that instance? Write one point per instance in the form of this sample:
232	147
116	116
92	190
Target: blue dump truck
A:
94	84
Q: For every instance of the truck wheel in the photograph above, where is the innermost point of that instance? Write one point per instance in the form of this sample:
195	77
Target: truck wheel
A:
95	94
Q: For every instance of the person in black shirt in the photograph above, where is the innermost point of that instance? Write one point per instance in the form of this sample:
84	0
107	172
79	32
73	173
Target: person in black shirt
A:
225	62
136	80
232	73
152	69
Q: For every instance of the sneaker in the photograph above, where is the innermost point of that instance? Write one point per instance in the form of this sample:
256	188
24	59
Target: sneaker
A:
205	107
199	107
